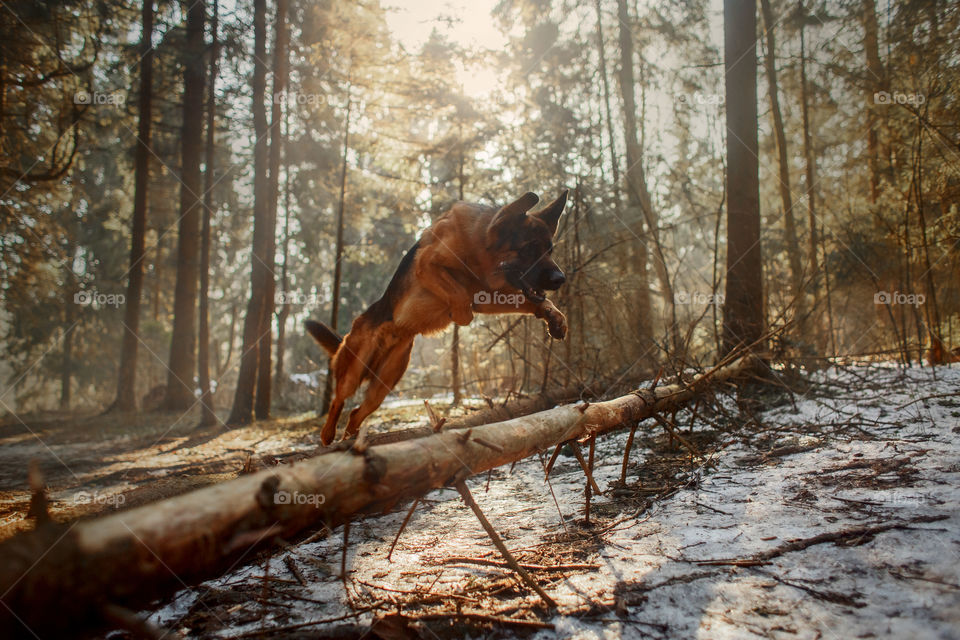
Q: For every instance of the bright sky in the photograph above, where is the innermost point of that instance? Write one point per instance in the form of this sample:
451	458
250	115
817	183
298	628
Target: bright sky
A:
465	22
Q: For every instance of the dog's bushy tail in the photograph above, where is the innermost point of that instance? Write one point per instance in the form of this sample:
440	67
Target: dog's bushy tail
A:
324	335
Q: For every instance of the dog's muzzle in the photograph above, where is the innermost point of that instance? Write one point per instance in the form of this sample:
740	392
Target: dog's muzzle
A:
547	280
552	280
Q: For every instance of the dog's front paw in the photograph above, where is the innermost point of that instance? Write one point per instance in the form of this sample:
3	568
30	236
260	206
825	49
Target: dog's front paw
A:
557	325
556	321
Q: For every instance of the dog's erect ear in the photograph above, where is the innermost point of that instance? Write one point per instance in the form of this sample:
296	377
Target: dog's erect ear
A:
550	214
516	209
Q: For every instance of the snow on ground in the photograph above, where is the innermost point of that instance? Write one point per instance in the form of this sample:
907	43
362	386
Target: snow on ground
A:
862	460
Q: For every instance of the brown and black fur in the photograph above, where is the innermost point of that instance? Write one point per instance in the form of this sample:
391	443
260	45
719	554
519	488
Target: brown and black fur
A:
471	249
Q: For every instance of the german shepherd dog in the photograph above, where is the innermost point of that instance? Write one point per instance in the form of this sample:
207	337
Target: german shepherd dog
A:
473	259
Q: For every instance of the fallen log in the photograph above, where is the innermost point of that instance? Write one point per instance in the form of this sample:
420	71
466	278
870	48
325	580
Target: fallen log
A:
131	557
517	408
496	413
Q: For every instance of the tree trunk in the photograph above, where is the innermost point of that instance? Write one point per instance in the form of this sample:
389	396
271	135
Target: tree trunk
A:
66	368
182	365
635	178
875	83
338	265
157	274
786	196
605	82
231	339
832	334
743	321
455	340
242	410
126	399
130	557
280	70
207	415
279	382
932	308
810	175
455	367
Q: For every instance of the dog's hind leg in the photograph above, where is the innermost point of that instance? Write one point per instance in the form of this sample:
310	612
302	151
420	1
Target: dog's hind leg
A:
387	375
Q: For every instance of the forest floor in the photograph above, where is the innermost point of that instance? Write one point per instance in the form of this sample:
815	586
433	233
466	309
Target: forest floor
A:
830	511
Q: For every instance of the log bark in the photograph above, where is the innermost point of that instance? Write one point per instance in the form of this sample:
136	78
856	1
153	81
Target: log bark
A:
517	408
131	557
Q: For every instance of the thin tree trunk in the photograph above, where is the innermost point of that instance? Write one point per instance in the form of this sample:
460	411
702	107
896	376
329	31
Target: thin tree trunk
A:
576	284
743	319
605	82
931	315
455	340
231	338
827	292
207	415
811	178
242	410
3	101
183	342
126	399
157	275
715	276
280	70
875	83
932	308
786	197
455	367
635	177
279	382
338	265
66	368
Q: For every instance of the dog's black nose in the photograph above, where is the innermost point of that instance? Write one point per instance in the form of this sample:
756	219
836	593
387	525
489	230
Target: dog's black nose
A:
555	280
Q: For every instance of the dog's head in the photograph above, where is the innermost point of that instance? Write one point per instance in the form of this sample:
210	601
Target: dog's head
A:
521	244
